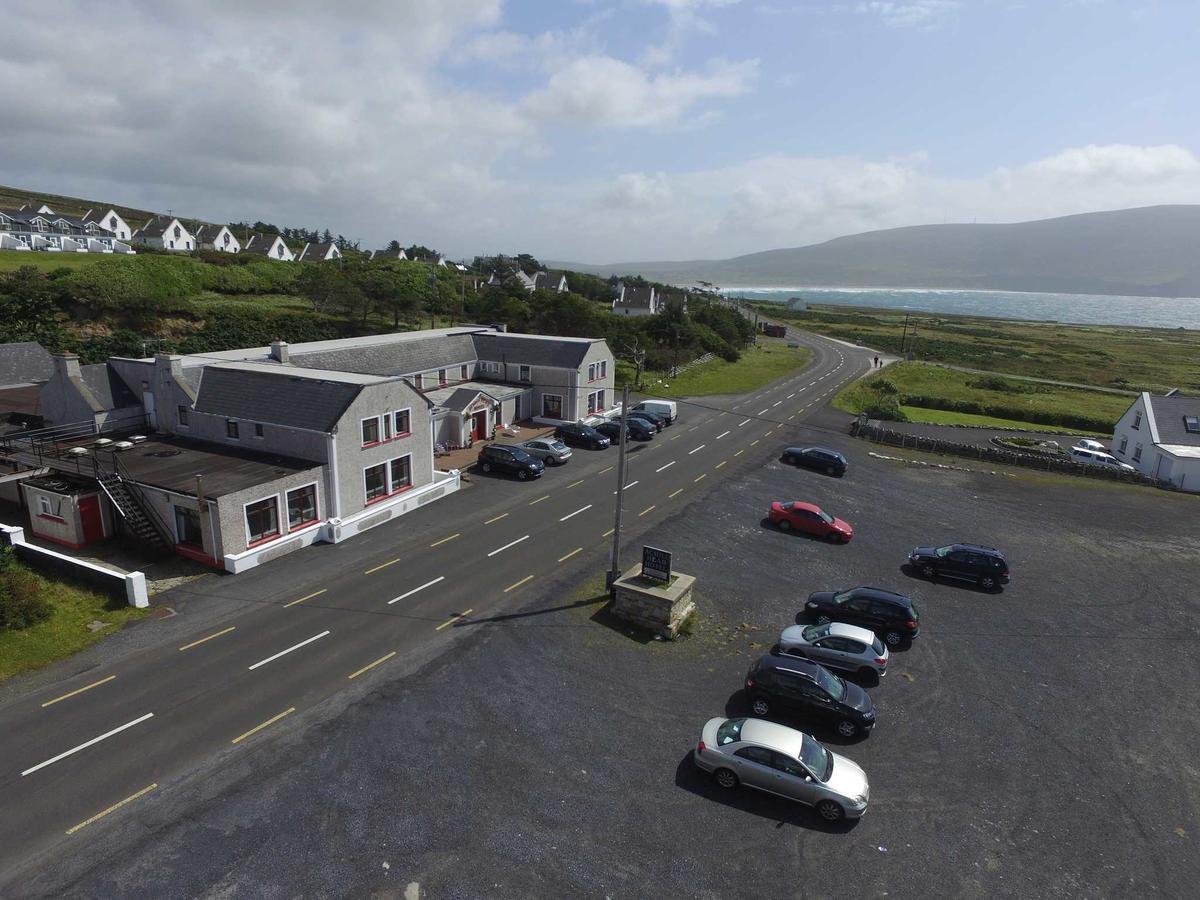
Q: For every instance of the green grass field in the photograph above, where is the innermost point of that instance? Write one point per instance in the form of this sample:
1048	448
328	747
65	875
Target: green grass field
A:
1154	359
1033	406
66	631
11	260
946	417
757	366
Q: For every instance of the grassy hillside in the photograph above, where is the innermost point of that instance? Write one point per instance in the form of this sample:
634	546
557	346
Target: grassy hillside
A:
11	260
71	206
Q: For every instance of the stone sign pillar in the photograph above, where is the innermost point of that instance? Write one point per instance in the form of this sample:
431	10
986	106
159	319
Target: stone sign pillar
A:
660	607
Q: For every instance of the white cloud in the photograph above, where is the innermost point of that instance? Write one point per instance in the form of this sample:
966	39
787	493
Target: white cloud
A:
1115	162
909	13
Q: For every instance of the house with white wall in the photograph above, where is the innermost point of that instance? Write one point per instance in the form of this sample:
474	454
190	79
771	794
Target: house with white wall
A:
319	252
272	246
1160	437
636	301
111	221
388	254
165	233
217	237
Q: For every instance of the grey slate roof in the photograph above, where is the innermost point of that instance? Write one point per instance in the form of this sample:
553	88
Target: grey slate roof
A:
1168	417
529	350
316	252
274	398
104	382
26	362
156	227
635	298
401	357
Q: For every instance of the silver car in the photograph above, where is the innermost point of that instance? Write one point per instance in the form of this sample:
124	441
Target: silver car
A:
551	451
784	762
837	645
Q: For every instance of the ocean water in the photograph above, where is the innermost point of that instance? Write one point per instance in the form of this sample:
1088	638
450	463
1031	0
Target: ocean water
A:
1081	309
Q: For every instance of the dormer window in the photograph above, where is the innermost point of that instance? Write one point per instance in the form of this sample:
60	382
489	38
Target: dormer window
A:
112	224
1191	424
1137	419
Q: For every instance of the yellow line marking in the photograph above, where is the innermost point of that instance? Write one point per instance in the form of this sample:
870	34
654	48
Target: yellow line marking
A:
753	442
608	533
572	484
569	555
644	511
454	618
209	638
513	587
721	463
539	499
701	478
113	808
308	597
258	728
609	469
443	540
496	519
370	666
390	562
79	690
740	452
676	494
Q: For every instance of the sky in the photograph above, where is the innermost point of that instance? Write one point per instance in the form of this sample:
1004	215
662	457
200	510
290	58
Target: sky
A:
604	131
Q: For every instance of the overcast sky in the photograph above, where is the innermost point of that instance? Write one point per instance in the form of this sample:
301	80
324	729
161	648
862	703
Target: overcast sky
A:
604	130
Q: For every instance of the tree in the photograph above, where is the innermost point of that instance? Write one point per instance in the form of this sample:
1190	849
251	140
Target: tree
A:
528	264
396	290
393	246
319	285
29	308
327	237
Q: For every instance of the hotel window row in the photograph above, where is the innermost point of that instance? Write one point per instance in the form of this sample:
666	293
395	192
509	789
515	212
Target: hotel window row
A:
262	516
387	478
598	370
380	429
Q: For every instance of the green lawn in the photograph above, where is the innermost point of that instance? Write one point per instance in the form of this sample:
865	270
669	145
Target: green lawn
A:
945	417
1154	359
925	390
209	300
757	366
66	631
11	260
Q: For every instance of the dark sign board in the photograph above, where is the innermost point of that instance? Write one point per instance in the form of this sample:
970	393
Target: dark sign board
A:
656	563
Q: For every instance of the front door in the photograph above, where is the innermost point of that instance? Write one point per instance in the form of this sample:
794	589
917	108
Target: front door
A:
187	526
479	426
89	517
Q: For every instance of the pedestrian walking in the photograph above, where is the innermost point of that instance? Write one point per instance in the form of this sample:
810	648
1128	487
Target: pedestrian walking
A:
876	364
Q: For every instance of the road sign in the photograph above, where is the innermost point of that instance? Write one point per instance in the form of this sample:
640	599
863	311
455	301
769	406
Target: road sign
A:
656	563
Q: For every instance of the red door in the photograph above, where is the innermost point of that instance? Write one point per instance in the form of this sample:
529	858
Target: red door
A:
478	426
89	517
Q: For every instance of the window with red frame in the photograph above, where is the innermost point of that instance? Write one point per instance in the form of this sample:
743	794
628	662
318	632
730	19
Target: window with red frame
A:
302	506
262	520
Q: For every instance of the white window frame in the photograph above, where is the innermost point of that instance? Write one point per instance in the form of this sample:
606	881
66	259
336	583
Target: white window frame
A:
44	507
464	372
604	368
246	522
237	428
1124	444
316	506
392	489
407	411
591	372
591	403
362	431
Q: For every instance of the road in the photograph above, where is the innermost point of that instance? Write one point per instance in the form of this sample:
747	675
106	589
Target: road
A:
312	625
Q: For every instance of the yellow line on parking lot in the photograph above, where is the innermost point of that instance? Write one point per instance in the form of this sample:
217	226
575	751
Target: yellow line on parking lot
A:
390	562
261	726
209	638
454	618
443	540
495	519
721	463
539	499
569	555
302	599
644	511
701	478
609	469
370	666
676	494
513	587
608	533
572	484
79	690
100	815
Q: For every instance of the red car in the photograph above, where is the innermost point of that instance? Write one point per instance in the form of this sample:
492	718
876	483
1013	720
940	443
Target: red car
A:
811	519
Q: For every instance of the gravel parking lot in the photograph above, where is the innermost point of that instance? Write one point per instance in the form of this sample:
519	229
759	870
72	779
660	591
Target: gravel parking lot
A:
1034	742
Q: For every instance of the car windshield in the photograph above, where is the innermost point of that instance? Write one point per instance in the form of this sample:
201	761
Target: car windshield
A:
943	551
826	517
730	731
830	683
558	445
815	632
816	758
520	454
786	506
843	596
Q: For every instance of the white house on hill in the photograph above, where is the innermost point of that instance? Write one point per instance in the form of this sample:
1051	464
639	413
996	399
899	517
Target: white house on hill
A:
1160	437
271	246
217	237
636	301
319	252
166	233
111	221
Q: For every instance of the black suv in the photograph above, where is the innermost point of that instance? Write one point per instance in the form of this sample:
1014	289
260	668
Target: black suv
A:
654	420
635	430
983	565
510	459
823	460
576	434
892	616
786	683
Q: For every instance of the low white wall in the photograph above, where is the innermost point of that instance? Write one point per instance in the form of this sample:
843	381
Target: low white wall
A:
132	584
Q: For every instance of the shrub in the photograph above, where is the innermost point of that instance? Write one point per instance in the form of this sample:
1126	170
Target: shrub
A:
21	601
886	408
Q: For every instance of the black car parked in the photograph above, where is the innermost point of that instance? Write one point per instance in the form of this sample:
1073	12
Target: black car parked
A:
576	434
511	460
985	566
786	683
652	419
823	460
892	616
635	430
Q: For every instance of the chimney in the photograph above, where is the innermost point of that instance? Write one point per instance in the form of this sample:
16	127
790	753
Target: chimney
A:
169	366
66	365
279	351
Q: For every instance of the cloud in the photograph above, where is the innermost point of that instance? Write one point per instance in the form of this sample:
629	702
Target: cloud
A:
1114	162
909	13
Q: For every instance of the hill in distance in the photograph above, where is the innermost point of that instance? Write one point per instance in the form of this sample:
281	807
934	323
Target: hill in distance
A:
1149	251
14	198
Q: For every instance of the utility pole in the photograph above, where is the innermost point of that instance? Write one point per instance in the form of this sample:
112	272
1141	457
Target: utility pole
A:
904	334
615	573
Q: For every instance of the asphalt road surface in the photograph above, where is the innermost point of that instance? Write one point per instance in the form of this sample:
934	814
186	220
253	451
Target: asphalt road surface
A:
315	627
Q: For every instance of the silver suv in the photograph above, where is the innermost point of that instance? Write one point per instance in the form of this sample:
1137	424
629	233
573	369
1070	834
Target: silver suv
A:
784	762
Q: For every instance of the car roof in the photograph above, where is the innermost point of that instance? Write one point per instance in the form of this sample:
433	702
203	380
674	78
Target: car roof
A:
800	666
800	504
772	734
880	594
979	548
833	629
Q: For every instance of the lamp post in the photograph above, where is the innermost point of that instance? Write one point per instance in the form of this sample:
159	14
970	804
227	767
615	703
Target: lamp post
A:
615	572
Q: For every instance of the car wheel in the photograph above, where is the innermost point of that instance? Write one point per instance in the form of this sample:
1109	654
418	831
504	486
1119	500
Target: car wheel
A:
829	470
830	811
869	675
522	474
760	707
823	620
783	525
790	460
550	461
846	728
928	570
893	639
987	582
726	778
487	466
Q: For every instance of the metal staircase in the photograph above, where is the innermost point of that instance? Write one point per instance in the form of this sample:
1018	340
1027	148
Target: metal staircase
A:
131	510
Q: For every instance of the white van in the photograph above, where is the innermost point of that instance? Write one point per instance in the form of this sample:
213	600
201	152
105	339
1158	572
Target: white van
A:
1083	454
664	408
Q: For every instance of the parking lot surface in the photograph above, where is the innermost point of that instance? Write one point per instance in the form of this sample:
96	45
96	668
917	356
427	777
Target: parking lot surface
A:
1032	742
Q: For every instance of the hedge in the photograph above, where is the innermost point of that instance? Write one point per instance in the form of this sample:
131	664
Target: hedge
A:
1017	413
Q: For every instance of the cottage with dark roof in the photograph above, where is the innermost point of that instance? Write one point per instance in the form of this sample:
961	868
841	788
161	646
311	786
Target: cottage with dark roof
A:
217	237
633	300
388	254
166	233
272	246
550	281
319	252
1160	437
112	222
